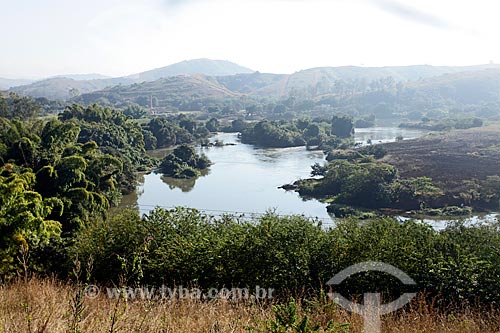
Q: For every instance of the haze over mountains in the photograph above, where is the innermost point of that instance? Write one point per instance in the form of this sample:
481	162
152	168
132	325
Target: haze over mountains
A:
205	78
59	87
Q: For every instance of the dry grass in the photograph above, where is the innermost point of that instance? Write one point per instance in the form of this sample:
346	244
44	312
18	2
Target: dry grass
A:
44	305
469	154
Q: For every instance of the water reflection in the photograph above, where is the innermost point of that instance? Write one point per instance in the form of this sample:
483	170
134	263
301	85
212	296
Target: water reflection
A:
185	185
244	178
440	224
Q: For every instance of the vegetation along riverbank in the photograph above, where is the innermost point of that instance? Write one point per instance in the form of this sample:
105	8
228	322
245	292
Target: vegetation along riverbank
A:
448	173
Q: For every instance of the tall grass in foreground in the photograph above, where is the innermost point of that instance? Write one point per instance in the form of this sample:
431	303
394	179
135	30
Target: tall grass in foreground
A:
48	305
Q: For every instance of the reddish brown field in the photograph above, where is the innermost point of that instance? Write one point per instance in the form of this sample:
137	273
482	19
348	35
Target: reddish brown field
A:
449	158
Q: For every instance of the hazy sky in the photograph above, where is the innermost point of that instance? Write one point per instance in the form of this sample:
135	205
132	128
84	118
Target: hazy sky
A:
118	37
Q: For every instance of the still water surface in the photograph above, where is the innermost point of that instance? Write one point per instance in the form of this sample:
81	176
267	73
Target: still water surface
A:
245	179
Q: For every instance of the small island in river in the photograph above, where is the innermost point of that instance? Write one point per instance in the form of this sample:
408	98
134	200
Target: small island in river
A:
184	162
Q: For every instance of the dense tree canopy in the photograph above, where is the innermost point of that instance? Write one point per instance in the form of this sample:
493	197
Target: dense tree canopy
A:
184	162
342	126
24	221
58	174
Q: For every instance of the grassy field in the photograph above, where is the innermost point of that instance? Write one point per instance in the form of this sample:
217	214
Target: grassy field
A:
449	158
46	305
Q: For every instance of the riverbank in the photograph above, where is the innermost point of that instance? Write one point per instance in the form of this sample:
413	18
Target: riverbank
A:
450	174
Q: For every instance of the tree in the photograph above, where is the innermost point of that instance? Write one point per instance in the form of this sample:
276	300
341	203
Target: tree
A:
213	125
213	109
342	126
318	170
135	111
23	216
55	138
150	141
163	131
303	123
188	124
23	107
4	107
311	131
238	125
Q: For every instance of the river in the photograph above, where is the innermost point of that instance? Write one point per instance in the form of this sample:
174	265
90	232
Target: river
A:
244	179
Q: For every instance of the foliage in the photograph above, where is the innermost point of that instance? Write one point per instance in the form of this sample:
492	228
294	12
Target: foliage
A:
135	111
288	320
19	107
24	221
293	253
445	124
179	130
291	133
343	154
57	175
351	178
110	129
377	151
269	134
362	184
342	126
365	122
183	162
213	125
414	193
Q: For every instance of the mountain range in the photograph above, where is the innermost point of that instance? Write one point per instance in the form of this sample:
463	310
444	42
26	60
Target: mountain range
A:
66	87
205	79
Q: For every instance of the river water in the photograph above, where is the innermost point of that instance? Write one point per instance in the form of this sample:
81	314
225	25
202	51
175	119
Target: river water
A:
245	179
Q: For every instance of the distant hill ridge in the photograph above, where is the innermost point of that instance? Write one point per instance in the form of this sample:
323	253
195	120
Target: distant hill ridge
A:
64	88
9	83
191	67
230	78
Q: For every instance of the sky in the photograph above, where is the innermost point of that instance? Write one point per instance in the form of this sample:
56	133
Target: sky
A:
120	37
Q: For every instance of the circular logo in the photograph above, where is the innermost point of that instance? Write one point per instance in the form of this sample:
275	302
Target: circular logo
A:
372	309
92	291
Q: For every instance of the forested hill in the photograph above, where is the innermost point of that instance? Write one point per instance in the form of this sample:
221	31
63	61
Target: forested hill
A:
317	81
172	91
62	88
309	82
313	90
469	88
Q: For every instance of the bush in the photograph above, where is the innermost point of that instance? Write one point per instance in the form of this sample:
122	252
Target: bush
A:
293	253
377	151
338	154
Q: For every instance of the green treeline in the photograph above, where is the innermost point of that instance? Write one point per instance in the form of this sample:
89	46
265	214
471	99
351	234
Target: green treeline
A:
58	174
444	124
184	247
356	178
322	133
162	132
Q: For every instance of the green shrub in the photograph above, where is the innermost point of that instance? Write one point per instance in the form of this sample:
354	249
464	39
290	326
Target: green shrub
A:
292	254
